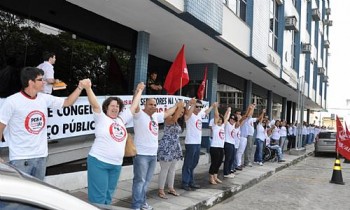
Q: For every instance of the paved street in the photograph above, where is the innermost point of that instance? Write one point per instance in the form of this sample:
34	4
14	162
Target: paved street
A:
301	186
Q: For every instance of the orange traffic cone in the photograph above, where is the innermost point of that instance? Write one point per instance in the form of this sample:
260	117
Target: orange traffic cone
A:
337	177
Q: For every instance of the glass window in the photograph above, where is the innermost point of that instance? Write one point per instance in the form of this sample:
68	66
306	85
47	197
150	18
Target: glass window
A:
273	33
239	7
11	205
24	42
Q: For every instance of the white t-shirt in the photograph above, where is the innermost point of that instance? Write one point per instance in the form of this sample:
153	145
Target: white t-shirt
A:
110	137
250	123
237	136
275	134
26	124
260	132
218	136
146	132
283	131
230	133
194	128
48	74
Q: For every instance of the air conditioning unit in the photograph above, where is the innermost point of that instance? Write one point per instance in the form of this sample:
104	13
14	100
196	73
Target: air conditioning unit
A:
316	16
321	71
279	2
306	48
327	22
325	79
328	11
326	43
291	23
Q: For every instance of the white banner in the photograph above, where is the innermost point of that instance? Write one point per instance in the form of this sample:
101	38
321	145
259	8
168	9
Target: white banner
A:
78	120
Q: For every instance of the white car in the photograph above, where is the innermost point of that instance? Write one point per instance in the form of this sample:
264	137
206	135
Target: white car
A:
325	142
21	191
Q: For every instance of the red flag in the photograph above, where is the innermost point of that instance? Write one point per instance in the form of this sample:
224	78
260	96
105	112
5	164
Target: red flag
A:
346	128
178	75
201	89
343	141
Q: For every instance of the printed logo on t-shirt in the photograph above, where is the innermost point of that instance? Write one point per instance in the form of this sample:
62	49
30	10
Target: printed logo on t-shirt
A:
35	122
153	127
222	134
239	134
199	124
233	133
117	132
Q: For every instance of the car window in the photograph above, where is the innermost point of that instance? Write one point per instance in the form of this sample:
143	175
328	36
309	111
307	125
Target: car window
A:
327	135
13	205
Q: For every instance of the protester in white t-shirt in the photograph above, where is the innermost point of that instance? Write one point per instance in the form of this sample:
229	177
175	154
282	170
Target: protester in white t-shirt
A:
105	158
217	143
47	66
146	142
24	114
193	139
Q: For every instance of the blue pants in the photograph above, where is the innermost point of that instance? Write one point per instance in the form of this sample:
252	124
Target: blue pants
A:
230	154
35	167
190	162
144	166
102	180
258	156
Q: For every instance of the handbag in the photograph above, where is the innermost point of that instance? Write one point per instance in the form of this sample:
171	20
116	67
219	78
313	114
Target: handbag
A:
130	149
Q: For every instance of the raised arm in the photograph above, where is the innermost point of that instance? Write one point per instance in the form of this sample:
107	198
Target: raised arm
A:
189	111
179	109
210	108
227	115
248	113
70	100
261	116
216	113
135	106
170	111
91	96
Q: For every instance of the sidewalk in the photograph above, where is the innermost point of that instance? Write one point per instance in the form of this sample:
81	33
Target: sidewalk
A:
208	195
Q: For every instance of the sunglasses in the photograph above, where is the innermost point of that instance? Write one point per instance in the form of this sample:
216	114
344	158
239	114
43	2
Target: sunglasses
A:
199	107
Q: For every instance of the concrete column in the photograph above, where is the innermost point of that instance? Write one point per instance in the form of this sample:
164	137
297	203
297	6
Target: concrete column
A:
248	86
294	108
308	116
284	109
289	111
141	57
269	104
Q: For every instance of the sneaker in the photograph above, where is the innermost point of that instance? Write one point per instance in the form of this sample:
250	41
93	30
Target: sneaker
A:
250	165
146	207
280	161
187	188
229	176
239	168
256	163
195	186
233	171
261	164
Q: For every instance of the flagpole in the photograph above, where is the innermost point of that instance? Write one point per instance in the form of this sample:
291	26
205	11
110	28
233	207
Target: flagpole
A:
181	86
206	89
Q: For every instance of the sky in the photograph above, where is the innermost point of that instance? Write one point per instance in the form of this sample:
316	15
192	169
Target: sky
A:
339	60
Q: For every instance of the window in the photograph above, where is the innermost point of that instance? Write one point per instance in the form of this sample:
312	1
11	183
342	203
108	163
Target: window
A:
239	7
231	99
273	31
293	51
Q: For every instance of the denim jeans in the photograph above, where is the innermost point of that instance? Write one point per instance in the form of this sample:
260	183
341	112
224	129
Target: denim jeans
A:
230	153
259	150
190	162
144	166
102	180
278	149
35	166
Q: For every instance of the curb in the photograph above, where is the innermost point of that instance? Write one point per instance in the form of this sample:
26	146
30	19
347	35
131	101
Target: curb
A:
231	191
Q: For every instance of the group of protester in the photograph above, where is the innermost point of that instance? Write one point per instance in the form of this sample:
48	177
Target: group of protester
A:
24	114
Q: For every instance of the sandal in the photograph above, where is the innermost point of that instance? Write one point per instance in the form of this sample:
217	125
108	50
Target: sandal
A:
161	194
173	192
